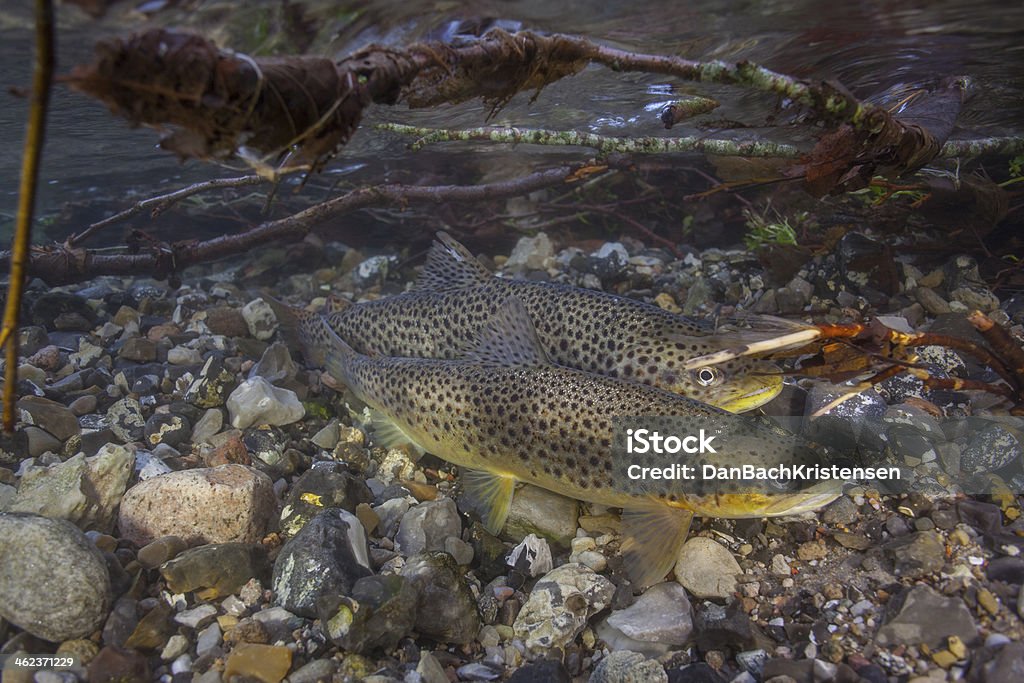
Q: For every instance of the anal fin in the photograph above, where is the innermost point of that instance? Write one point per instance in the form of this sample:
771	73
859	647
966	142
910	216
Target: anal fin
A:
653	535
494	494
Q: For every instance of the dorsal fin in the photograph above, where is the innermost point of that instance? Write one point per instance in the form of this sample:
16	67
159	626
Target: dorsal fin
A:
509	338
450	265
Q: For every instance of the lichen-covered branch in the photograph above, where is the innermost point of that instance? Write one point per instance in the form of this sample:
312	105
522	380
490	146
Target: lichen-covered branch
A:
975	148
603	143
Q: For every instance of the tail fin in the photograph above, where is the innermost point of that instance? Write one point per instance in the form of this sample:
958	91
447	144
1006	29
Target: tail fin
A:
338	355
301	329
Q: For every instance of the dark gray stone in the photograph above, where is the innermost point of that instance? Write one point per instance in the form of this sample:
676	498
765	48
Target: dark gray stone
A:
328	483
990	449
378	613
917	554
921	615
445	609
326	557
167	428
126	420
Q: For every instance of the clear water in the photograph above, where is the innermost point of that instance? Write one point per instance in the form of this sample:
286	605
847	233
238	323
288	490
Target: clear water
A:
867	46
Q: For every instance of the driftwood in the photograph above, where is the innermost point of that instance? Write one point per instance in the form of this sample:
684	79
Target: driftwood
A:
302	109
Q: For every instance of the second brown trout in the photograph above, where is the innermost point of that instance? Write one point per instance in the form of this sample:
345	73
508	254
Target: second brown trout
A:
578	328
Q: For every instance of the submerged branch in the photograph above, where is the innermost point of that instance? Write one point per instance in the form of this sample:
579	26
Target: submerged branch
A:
602	143
160	203
62	264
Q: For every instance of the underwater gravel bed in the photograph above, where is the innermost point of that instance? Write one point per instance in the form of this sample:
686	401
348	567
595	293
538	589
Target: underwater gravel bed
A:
197	505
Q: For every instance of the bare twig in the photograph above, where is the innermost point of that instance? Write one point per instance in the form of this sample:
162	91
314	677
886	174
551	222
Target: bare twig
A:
42	75
160	203
61	264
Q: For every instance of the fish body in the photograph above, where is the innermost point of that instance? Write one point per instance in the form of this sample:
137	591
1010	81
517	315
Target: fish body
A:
507	412
584	329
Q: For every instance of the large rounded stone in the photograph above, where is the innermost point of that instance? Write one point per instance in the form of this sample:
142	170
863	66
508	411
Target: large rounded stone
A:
230	503
53	582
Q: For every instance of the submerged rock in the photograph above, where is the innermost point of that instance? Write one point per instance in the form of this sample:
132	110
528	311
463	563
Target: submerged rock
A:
326	557
426	526
126	420
260	319
546	514
166	428
532	556
213	386
446	609
54	583
917	554
378	612
257	401
327	485
660	619
222	567
921	615
206	505
84	491
266	663
706	568
54	417
624	666
559	606
530	253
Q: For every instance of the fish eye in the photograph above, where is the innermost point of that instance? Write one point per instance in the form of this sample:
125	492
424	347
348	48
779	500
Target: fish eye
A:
707	376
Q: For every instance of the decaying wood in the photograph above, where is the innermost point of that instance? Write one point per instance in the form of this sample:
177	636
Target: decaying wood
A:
304	108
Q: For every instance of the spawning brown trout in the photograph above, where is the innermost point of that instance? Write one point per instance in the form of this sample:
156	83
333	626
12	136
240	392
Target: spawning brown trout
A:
578	328
509	414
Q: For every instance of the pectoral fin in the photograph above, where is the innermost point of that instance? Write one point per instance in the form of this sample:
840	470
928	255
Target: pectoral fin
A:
494	493
653	535
389	435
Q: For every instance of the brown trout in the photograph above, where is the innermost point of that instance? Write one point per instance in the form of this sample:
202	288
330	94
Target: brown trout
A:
578	328
507	412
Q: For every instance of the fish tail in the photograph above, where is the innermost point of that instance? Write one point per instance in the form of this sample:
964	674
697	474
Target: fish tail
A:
301	329
338	356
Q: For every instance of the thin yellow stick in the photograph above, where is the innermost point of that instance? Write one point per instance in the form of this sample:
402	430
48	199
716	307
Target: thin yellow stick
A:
42	75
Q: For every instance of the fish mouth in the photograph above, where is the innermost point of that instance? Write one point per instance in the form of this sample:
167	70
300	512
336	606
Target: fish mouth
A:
750	392
814	498
753	505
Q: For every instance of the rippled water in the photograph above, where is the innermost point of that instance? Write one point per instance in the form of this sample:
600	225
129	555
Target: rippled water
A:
867	46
